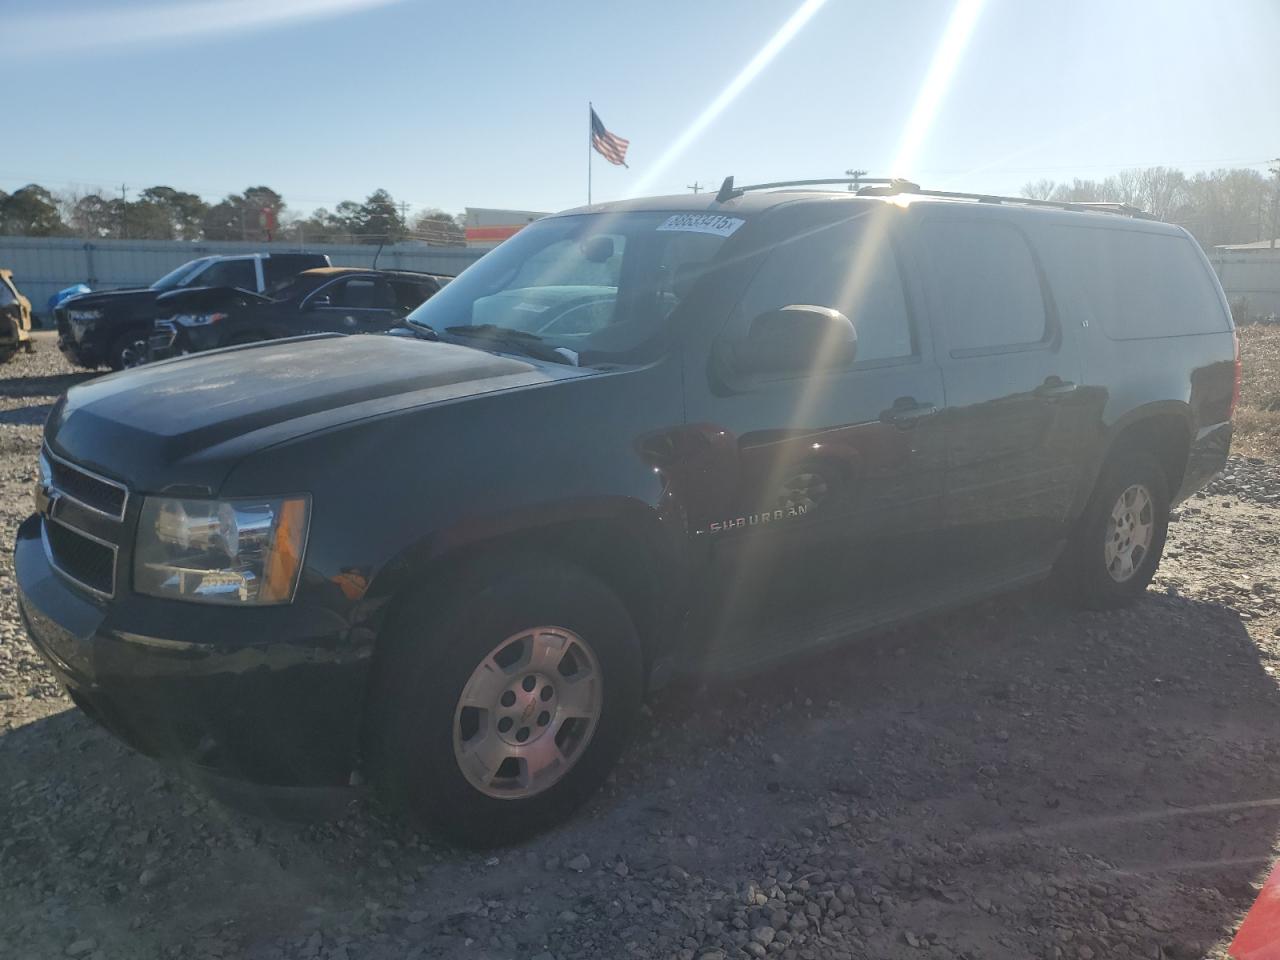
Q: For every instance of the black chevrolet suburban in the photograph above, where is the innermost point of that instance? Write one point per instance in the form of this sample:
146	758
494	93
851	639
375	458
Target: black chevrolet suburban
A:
637	439
112	328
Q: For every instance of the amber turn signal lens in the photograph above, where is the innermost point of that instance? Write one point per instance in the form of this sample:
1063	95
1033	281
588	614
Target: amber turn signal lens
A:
286	552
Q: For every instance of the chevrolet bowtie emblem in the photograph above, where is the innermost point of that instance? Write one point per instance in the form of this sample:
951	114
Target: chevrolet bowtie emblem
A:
46	499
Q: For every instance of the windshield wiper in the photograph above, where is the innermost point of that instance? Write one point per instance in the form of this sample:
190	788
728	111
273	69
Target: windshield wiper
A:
519	341
424	330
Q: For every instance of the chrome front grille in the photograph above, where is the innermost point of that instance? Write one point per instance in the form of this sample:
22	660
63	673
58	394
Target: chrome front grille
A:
82	513
88	561
90	490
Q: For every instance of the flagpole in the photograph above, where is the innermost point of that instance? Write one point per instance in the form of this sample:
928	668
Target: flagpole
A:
590	110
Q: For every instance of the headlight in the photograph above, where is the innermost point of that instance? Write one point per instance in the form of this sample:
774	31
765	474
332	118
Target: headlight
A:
83	316
198	319
221	551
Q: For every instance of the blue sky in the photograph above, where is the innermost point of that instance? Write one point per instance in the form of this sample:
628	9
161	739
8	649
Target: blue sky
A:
484	103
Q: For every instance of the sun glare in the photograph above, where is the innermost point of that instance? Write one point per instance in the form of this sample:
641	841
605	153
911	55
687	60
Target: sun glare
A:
936	84
786	33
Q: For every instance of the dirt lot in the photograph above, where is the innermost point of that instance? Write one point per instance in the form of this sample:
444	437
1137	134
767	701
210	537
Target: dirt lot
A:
1015	780
1258	419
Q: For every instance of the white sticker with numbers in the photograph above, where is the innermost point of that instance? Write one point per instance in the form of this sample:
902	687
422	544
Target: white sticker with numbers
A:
712	223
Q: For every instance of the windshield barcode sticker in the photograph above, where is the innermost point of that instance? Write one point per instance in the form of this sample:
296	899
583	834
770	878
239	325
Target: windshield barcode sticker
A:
712	223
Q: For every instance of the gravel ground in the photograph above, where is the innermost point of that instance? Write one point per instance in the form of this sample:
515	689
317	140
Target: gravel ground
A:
1014	780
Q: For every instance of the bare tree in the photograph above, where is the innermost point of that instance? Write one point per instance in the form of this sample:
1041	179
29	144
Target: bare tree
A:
1039	189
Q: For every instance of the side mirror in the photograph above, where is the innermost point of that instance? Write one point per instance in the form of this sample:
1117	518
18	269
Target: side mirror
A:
597	249
796	340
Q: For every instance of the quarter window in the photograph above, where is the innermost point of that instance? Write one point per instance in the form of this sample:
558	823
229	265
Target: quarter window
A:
848	266
987	284
361	293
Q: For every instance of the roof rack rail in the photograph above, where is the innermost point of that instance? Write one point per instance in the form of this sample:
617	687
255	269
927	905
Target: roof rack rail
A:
1085	206
728	191
895	186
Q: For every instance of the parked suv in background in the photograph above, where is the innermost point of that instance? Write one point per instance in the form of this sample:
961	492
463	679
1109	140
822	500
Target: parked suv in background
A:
324	300
113	327
656	436
15	318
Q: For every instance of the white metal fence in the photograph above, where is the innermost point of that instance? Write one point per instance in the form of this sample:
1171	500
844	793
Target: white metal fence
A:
1253	277
44	265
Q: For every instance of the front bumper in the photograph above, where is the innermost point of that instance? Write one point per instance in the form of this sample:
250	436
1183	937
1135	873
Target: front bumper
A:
271	695
76	353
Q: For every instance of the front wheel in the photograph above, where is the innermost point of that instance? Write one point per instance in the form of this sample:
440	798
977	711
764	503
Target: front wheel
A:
1118	544
127	352
501	713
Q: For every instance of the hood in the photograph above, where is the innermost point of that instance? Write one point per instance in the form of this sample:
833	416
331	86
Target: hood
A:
182	424
110	298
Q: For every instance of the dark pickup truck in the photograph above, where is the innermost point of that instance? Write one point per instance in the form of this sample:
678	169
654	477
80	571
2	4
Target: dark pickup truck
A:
113	327
323	300
657	436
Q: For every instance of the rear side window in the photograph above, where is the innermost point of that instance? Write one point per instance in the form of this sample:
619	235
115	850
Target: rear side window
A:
1137	285
987	286
848	266
362	293
6	295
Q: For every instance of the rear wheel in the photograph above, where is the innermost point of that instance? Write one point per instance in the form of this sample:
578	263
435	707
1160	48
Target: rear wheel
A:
6	353
1117	547
500	713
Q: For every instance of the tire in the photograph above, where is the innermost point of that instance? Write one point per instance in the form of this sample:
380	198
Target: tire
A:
422	734
1098	577
126	352
7	354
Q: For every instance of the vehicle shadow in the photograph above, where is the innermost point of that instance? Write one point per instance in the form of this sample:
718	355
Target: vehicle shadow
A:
54	385
1113	762
995	776
33	415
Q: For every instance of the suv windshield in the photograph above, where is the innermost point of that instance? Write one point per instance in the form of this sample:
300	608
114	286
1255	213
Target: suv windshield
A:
601	285
179	276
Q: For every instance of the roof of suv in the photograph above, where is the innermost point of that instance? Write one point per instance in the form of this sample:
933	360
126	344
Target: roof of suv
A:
757	201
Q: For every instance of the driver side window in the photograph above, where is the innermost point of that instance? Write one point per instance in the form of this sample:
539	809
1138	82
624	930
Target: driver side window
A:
849	266
229	273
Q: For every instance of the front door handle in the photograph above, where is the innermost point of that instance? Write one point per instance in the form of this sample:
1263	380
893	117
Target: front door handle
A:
907	411
1055	386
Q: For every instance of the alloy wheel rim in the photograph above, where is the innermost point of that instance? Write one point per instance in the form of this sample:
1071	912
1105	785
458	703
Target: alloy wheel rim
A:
527	713
1130	529
131	356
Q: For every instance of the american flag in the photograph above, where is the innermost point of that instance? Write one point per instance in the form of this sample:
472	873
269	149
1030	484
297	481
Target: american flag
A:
609	145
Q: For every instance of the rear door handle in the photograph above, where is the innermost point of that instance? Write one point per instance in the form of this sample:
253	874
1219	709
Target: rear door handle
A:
906	411
1055	386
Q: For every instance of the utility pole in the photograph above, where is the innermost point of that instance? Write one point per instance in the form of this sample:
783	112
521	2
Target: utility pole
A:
696	187
404	214
857	176
124	212
1275	202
